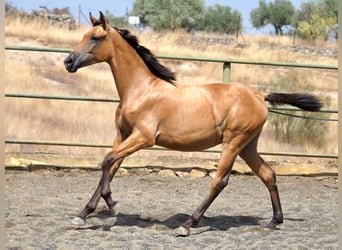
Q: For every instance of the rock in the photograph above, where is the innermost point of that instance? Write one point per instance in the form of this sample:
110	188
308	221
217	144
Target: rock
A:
182	232
183	174
22	162
122	172
198	173
212	173
166	173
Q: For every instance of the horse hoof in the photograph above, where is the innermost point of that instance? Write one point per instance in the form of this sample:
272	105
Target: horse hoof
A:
272	225
115	209
78	221
182	232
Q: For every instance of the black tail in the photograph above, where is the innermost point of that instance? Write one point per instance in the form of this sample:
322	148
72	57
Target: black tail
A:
301	100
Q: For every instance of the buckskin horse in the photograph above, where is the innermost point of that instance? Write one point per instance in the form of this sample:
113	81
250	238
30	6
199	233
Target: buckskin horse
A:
154	109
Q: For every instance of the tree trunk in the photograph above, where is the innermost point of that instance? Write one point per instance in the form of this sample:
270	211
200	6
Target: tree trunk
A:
280	30
276	29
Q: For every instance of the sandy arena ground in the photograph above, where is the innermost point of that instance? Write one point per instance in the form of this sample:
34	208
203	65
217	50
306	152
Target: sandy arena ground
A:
41	204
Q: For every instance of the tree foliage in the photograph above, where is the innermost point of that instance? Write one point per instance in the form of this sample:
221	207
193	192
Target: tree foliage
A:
260	16
116	21
186	14
169	14
317	19
278	14
221	19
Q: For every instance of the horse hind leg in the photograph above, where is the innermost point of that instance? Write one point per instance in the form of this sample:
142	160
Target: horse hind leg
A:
218	184
250	155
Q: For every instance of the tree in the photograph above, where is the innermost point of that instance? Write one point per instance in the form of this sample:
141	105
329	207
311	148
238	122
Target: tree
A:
317	19
221	19
116	21
330	15
169	14
260	16
330	8
313	28
277	14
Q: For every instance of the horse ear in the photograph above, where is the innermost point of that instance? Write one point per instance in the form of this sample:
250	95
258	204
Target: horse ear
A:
92	19
104	21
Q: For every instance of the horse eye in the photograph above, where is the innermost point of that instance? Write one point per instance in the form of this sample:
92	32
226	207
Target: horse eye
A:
95	39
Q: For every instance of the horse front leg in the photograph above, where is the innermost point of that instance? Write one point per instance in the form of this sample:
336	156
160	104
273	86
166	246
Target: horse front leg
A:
110	165
80	219
109	168
133	143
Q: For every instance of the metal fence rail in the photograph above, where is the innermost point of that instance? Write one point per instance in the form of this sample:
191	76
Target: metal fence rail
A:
226	62
117	100
98	145
226	77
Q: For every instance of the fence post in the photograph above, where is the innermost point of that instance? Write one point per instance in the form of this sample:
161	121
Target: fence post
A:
226	71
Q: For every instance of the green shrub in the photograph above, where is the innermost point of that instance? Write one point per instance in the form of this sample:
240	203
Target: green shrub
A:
294	130
299	131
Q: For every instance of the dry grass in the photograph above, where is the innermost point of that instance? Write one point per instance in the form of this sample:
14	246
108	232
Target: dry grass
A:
44	73
179	44
42	32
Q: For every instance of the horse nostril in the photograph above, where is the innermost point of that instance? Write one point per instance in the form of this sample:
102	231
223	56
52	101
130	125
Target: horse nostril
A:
70	63
69	59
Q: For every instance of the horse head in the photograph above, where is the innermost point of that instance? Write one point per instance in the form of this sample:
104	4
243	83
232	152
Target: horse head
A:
94	48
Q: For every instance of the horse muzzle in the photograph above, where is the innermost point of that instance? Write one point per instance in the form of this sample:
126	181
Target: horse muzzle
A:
69	63
74	61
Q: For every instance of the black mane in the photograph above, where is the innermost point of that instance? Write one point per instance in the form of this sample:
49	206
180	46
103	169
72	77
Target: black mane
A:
147	56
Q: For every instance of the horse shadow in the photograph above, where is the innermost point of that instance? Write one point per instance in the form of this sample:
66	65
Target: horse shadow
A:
218	223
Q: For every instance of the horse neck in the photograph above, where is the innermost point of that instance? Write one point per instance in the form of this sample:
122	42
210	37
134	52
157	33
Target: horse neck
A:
130	73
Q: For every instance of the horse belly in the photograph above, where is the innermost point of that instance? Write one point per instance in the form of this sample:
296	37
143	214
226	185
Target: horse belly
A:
194	139
190	124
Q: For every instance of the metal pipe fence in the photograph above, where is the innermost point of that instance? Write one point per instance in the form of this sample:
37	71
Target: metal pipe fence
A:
226	78
225	62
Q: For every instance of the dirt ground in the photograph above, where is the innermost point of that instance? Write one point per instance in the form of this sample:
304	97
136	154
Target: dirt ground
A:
40	205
